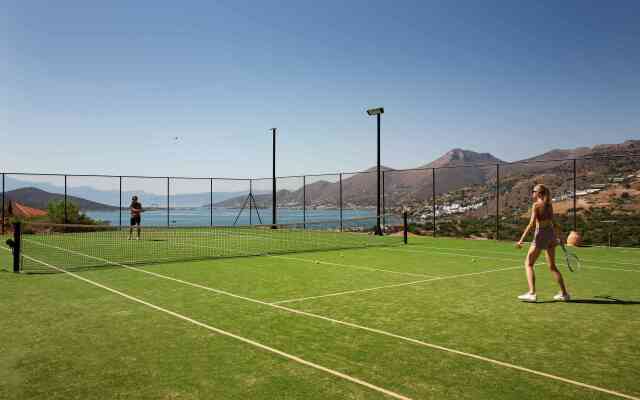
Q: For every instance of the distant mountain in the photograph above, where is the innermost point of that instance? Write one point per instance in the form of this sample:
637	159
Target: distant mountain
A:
457	157
359	189
38	198
111	197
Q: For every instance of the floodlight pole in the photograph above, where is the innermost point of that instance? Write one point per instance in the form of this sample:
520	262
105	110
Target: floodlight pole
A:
378	113
273	182
378	227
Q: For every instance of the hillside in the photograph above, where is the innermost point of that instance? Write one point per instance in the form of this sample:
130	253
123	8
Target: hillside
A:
359	189
461	175
38	198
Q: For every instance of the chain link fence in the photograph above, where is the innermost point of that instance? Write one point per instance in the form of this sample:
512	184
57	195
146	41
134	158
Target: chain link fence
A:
599	197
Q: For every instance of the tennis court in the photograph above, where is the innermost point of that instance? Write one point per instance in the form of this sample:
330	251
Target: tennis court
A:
311	315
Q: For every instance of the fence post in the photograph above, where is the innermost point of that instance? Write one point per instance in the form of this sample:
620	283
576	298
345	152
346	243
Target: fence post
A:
120	191
340	200
211	201
497	201
304	201
168	203
575	195
3	192
66	217
433	200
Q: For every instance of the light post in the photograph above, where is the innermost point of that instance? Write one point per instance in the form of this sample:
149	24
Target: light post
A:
377	112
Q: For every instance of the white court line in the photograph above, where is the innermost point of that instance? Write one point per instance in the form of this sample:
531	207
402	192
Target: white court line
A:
588	260
307	260
351	266
372	330
234	336
413	250
439	278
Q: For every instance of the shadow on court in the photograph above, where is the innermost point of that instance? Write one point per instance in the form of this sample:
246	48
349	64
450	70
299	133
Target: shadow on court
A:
596	300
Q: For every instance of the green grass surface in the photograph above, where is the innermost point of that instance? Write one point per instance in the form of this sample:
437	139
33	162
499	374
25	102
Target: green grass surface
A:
64	338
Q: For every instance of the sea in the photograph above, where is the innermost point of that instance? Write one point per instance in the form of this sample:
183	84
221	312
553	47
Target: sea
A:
202	216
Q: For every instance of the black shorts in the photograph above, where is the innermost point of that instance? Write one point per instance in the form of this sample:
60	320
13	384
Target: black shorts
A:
135	220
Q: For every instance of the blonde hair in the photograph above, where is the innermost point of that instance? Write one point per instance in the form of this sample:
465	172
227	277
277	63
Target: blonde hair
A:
544	192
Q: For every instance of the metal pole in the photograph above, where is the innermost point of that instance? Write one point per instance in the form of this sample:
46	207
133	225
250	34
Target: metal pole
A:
575	210
340	201
433	200
304	201
384	214
211	200
120	191
17	242
250	202
497	201
168	203
3	193
273	218
378	228
66	217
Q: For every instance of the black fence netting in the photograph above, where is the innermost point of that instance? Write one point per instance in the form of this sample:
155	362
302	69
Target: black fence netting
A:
597	196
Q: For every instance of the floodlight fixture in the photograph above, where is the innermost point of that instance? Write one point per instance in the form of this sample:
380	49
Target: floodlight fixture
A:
375	111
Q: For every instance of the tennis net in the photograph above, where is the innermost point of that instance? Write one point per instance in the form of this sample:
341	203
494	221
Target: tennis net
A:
73	247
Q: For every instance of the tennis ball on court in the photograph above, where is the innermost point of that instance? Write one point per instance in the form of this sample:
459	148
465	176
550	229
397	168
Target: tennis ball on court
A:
473	260
317	262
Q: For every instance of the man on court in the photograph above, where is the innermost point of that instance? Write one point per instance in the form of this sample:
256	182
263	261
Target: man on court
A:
136	211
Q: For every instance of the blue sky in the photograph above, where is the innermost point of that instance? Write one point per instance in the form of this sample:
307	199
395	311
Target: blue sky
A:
104	87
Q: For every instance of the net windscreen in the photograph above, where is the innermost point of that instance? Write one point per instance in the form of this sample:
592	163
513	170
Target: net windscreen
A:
74	247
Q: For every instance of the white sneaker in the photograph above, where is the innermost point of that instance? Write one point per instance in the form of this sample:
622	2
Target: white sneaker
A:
562	297
530	297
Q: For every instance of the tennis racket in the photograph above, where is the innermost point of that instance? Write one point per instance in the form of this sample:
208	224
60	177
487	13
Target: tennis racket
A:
572	260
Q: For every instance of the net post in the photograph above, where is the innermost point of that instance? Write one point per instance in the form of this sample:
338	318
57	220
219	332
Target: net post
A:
66	217
120	191
433	199
575	205
497	201
340	197
211	201
3	195
17	239
304	201
168	203
405	226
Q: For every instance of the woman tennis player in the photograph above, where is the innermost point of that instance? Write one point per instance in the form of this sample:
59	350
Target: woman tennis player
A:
545	238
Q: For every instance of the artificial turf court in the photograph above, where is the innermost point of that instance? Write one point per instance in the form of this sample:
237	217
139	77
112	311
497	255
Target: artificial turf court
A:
434	319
